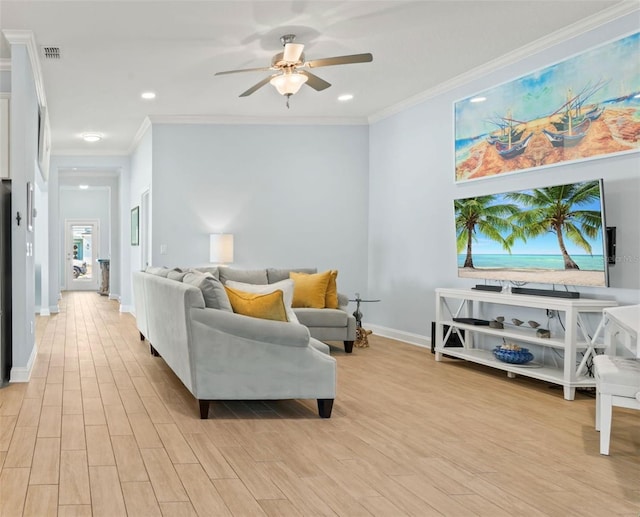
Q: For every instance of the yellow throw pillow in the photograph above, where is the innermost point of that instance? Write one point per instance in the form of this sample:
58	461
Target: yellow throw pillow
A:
266	306
310	290
331	299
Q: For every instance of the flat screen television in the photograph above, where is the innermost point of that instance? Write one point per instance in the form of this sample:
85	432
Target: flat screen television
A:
548	235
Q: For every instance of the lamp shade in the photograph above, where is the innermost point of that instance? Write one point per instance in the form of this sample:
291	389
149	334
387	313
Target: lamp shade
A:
221	248
288	83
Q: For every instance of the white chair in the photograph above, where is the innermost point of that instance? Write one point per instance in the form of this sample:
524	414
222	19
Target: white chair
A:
617	378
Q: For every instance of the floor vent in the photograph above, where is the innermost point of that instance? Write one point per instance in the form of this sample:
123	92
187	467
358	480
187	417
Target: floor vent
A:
51	52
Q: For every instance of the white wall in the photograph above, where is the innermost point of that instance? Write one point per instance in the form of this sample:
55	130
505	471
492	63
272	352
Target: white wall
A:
291	195
411	228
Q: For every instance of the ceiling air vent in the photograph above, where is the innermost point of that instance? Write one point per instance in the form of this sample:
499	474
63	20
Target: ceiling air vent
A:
51	52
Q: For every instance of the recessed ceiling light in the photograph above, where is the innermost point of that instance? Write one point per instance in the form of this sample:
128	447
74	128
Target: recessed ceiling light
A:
83	187
345	97
148	95
91	137
478	99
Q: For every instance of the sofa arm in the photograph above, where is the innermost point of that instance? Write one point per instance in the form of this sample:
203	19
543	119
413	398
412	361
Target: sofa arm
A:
255	329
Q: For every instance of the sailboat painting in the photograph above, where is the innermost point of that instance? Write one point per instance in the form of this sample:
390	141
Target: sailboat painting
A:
585	107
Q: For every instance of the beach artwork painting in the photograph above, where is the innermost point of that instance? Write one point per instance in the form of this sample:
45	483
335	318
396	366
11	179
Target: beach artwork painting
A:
587	106
550	235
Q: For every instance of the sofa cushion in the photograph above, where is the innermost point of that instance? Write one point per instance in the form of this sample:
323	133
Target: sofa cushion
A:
286	286
277	275
322	317
269	306
215	296
331	297
248	276
310	290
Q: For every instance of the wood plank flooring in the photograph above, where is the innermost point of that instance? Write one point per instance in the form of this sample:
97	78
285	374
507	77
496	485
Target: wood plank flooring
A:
105	429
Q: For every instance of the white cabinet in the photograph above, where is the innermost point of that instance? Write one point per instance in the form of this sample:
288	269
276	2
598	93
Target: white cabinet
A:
4	137
575	345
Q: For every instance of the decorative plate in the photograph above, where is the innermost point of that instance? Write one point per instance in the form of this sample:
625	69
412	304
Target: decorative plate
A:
522	356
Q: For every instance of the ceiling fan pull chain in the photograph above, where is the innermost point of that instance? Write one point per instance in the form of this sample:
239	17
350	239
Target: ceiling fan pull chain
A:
288	96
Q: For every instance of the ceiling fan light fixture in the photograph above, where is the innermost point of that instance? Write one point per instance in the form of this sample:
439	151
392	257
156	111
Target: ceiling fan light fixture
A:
288	83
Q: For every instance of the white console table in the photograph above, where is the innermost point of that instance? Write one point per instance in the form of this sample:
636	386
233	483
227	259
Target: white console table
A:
576	337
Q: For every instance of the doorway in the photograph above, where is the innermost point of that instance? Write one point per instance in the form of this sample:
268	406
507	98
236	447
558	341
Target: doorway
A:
82	248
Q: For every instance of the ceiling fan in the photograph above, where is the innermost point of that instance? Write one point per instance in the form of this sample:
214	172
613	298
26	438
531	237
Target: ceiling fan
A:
292	71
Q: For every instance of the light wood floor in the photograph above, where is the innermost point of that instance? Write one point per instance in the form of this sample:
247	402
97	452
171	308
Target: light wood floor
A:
103	428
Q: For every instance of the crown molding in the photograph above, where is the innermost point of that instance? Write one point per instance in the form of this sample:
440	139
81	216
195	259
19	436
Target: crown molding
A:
570	31
5	64
272	121
146	124
26	37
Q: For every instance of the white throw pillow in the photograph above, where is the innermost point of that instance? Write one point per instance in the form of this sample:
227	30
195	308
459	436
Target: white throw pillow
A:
286	286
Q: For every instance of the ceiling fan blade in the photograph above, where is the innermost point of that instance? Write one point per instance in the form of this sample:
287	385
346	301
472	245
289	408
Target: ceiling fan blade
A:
261	69
314	81
256	87
340	60
292	52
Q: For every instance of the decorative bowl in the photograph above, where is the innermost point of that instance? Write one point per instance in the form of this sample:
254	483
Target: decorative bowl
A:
522	356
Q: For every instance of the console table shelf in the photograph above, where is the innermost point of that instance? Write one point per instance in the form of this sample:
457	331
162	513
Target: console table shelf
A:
577	338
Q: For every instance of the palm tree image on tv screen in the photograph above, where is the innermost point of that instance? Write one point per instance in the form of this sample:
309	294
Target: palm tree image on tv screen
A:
551	235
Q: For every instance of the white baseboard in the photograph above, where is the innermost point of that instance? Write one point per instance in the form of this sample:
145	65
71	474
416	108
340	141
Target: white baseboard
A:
114	297
54	309
400	335
23	374
44	312
126	308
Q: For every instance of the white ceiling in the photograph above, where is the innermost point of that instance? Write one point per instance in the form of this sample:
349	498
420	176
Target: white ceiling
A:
112	51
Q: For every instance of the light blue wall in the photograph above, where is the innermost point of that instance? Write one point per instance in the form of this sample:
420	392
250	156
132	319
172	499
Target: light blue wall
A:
411	229
291	195
23	140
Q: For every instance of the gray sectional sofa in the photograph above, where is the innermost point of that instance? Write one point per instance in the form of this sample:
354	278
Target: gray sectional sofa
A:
221	355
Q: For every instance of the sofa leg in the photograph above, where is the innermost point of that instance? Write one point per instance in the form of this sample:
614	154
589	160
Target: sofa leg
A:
141	336
153	351
324	407
348	346
204	409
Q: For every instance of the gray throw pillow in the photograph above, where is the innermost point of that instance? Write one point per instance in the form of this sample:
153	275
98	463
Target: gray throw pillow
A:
176	274
277	275
215	296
